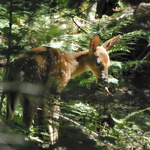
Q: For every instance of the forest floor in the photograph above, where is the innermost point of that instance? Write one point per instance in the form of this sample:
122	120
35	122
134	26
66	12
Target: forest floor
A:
128	107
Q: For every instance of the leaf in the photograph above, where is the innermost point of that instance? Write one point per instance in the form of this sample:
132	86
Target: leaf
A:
113	80
116	64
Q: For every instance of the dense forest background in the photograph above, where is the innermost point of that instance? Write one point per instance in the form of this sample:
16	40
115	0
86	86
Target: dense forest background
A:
90	119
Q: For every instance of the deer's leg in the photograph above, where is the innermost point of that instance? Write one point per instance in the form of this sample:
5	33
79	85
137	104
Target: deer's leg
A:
30	104
53	120
11	104
48	116
52	113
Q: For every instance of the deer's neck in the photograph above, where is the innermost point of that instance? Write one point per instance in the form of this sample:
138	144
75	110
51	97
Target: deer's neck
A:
79	63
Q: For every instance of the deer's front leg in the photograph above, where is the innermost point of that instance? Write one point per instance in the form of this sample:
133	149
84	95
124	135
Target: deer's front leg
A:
48	118
52	116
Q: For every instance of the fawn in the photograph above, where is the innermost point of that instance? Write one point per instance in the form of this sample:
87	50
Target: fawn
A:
53	69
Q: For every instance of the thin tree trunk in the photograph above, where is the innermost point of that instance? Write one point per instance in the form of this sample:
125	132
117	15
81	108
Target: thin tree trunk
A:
9	48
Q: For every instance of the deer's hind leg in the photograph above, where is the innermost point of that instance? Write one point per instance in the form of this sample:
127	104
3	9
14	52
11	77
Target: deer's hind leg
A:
12	101
30	104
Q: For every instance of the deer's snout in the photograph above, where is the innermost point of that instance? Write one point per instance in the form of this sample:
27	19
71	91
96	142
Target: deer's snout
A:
103	81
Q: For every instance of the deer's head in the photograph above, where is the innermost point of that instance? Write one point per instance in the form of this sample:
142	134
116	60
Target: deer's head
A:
99	60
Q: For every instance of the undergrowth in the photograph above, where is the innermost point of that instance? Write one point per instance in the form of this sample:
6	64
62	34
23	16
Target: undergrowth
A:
117	121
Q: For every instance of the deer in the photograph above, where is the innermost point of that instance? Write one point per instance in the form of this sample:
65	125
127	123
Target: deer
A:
53	68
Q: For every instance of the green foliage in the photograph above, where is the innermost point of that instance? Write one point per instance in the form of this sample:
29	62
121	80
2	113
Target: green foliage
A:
16	29
115	73
71	5
32	26
80	112
42	35
133	129
133	64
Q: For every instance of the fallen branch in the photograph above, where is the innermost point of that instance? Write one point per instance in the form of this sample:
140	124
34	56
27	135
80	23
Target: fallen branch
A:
90	133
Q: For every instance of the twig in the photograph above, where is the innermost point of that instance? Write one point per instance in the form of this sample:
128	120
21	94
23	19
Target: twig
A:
84	20
145	58
92	134
78	25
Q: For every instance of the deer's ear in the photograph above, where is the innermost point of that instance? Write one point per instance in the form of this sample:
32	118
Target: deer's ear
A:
110	43
94	42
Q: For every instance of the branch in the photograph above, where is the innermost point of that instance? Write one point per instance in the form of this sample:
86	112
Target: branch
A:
78	25
145	58
90	133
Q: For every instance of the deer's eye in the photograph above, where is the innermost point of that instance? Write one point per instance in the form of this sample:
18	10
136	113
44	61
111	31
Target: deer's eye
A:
98	62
